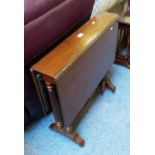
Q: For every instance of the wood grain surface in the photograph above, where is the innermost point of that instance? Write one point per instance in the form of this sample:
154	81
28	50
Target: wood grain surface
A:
61	57
79	63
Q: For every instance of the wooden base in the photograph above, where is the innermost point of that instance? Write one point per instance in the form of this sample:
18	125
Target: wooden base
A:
69	132
123	60
106	83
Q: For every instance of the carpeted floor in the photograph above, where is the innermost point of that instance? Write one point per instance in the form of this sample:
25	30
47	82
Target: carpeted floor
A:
105	125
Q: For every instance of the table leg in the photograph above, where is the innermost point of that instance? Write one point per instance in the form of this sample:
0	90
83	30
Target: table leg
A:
54	103
106	83
58	126
123	60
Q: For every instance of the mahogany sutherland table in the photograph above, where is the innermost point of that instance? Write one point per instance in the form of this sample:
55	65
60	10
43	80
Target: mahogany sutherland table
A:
72	71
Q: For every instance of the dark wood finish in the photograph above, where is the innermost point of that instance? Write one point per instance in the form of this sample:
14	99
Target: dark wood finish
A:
106	83
70	49
54	103
60	60
76	67
123	60
80	80
123	10
69	132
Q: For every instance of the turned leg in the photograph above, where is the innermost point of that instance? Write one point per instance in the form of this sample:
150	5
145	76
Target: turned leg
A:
58	126
106	83
54	102
69	132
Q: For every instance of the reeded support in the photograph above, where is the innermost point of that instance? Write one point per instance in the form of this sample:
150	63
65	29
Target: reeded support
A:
58	126
54	102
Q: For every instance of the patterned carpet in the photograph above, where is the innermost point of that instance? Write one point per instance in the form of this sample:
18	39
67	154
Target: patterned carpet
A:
105	125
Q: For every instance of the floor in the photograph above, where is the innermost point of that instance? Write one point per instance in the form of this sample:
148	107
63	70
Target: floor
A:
104	125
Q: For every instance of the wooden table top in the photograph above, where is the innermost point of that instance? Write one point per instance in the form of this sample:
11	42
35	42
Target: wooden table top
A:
61	57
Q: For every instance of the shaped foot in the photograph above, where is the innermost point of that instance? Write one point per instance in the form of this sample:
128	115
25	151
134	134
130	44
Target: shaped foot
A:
69	132
106	83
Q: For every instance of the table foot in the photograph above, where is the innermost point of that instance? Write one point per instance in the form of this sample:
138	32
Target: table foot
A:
122	60
106	83
69	132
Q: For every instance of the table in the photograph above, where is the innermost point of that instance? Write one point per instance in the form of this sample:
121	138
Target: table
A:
73	70
123	10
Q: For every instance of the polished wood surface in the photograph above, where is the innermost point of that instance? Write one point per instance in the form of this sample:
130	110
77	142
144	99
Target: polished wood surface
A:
80	80
76	67
60	58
